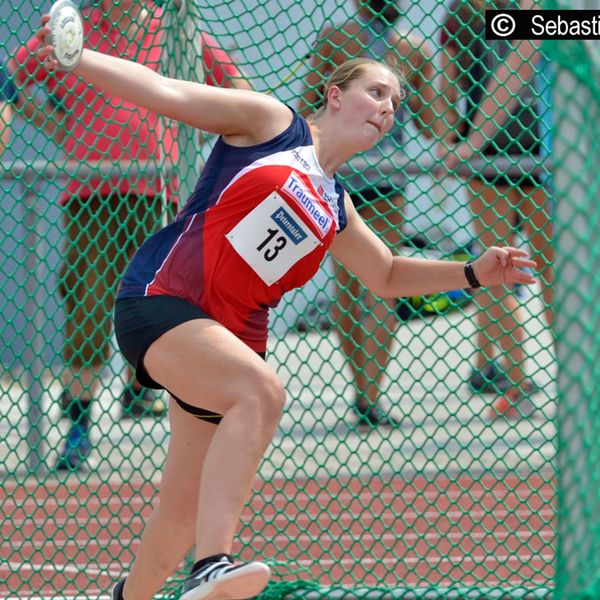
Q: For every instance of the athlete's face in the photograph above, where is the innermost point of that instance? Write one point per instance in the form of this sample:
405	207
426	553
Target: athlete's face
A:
369	104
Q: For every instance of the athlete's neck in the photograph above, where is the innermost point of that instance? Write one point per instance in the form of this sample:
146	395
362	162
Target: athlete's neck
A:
332	148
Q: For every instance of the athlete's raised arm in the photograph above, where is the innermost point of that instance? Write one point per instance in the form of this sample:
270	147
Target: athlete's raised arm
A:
242	116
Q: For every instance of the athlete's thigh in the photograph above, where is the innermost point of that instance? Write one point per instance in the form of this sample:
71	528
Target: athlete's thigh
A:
205	365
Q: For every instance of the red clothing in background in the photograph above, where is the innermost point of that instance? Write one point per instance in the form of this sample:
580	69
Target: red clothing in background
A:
106	128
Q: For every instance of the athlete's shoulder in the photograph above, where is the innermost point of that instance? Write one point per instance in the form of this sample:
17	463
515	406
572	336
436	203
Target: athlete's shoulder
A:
299	128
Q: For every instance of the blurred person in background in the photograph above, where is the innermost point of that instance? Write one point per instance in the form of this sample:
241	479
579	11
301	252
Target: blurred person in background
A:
367	324
502	118
106	217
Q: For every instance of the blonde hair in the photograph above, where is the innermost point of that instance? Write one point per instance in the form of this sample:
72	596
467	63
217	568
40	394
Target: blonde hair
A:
354	69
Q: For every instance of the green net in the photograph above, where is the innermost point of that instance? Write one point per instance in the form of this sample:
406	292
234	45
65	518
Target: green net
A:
577	183
446	490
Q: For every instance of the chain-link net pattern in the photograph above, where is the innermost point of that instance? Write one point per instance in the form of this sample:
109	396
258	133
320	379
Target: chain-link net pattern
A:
417	454
577	182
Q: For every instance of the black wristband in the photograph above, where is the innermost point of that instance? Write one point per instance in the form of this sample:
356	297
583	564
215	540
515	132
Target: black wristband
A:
470	275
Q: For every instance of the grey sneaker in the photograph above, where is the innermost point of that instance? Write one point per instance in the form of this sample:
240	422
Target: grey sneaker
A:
219	579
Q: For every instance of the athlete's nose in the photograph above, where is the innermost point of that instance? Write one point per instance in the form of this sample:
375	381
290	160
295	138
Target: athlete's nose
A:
388	107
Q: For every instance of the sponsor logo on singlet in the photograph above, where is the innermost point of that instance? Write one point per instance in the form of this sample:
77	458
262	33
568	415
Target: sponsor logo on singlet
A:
288	225
329	198
298	190
305	164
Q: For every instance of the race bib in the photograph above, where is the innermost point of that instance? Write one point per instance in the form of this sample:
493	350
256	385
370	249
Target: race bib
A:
272	239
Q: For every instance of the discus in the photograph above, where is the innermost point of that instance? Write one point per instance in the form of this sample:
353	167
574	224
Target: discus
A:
66	34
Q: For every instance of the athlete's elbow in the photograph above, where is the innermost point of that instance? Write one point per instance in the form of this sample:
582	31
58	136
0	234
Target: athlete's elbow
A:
379	287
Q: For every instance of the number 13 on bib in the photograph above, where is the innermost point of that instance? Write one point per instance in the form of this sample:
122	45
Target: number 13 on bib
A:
272	239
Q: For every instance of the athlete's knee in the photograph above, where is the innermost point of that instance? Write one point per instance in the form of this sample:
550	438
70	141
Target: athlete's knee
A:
272	392
265	399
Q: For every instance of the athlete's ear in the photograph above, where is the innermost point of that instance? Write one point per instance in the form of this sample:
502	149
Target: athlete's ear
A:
334	96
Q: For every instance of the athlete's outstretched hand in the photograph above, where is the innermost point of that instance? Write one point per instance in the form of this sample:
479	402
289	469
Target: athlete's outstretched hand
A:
507	265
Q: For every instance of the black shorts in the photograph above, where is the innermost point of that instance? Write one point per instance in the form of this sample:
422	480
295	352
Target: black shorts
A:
139	322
